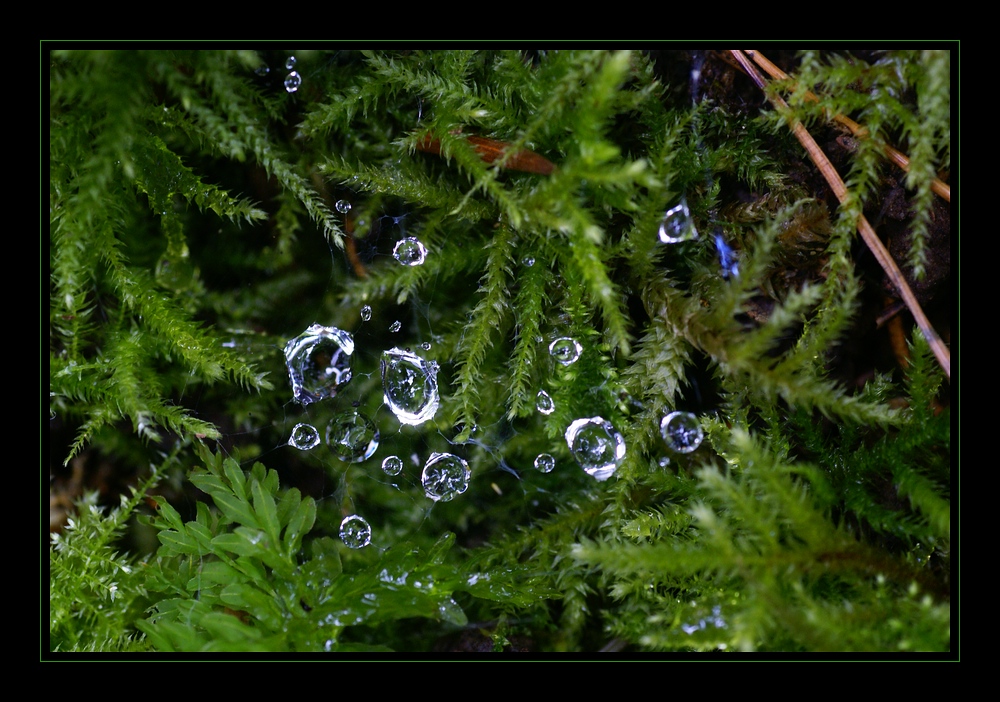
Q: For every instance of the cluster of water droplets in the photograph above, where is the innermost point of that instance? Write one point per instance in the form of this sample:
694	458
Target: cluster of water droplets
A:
293	80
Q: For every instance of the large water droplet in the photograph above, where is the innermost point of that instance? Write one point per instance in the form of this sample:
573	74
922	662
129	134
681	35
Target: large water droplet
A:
445	476
392	465
319	362
352	436
544	403
366	313
343	206
355	531
596	445
565	350
410	251
545	462
410	386
292	82
304	437
677	224
682	431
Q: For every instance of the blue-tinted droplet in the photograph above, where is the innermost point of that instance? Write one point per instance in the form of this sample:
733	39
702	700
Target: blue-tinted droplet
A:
681	431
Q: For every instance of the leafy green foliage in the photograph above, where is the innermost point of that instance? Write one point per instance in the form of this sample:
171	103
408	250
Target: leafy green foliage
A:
196	225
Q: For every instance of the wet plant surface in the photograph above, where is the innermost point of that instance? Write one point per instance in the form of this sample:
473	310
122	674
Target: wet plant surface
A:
546	351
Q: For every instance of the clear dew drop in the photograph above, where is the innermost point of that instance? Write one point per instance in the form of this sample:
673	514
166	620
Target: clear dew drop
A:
527	261
664	461
544	403
290	63
410	251
392	465
682	431
445	476
355	531
596	445
261	71
426	346
292	81
677	224
395	326
409	384
304	437
366	313
545	462
352	436
343	206
319	362
565	350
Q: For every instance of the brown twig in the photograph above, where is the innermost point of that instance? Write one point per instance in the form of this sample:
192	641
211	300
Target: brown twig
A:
897	157
817	156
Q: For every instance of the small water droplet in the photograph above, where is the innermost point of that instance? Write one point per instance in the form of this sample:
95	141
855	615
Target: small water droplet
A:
410	251
355	531
445	476
392	465
544	403
366	313
677	224
352	436
565	350
304	437
410	386
343	206
596	445
261	71
545	462
664	461
682	431
290	63
292	82
426	346
395	326
527	261
319	362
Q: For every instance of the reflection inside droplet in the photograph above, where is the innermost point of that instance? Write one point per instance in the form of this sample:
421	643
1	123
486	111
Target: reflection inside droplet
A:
545	462
392	465
304	437
682	431
445	476
343	206
544	403
677	224
410	251
596	445
565	350
319	362
355	531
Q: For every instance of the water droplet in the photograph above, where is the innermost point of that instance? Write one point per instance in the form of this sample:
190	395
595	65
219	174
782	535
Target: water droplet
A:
682	431
596	445
352	436
343	206
261	71
545	462
527	261
292	82
290	63
565	350
395	326
677	224
392	465
355	531
319	362
426	346
664	461
304	437
410	386
544	403
445	476
410	251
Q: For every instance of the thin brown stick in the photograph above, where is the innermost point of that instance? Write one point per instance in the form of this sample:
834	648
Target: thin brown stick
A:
817	156
897	157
